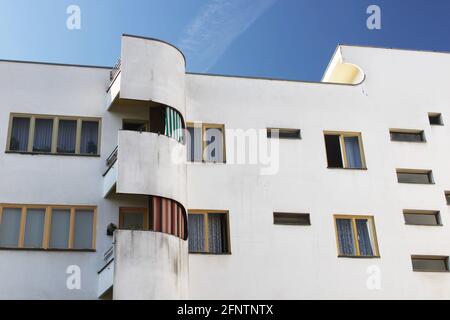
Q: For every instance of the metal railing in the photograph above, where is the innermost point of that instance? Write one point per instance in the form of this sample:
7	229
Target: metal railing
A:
115	70
111	160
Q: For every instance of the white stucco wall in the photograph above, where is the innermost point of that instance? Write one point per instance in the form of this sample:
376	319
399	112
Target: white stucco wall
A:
150	265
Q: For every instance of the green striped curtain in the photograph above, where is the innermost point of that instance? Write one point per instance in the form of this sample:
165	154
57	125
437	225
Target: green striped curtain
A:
173	123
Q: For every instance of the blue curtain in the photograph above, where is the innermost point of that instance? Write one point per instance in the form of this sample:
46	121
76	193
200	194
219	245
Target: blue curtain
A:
352	151
43	129
67	136
365	245
216	233
196	230
89	137
346	238
19	134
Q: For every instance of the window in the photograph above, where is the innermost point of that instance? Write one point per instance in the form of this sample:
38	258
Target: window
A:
135	125
422	217
407	135
356	236
208	232
344	150
133	219
284	133
47	227
430	263
206	142
53	135
435	119
447	197
284	218
415	176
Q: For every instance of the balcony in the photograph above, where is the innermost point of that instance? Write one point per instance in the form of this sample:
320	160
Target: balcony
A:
146	163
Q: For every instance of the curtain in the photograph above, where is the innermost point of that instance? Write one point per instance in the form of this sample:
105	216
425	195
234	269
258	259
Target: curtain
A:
196	233
173	125
364	242
67	136
216	233
214	145
19	134
43	129
59	233
345	235
353	152
84	220
34	228
10	227
89	137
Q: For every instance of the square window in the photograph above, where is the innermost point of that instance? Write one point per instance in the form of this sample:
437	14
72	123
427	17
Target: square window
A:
344	150
208	232
435	119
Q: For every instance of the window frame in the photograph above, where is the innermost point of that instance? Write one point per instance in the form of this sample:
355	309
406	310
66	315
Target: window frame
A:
47	225
342	135
133	210
55	132
430	257
204	127
205	214
353	218
435	213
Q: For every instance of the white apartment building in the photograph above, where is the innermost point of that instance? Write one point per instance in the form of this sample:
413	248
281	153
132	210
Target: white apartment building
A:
276	189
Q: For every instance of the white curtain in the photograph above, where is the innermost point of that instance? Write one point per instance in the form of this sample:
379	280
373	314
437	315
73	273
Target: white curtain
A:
216	233
89	137
196	229
34	228
43	129
67	136
10	227
84	220
59	233
19	134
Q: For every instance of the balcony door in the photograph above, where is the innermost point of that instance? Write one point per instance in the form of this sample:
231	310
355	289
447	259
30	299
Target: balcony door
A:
133	219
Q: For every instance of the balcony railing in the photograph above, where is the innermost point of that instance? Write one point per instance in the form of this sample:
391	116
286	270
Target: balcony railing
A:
115	70
111	160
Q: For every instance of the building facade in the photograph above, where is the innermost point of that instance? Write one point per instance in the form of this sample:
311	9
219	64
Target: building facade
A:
147	182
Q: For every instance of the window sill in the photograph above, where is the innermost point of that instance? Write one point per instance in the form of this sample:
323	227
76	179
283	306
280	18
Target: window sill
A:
54	154
358	169
431	183
49	250
206	162
359	257
424	225
437	271
401	141
211	254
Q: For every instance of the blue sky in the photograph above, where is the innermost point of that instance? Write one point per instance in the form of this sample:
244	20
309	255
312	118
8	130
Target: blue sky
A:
290	39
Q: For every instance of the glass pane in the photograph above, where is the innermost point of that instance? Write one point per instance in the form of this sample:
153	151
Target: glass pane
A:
19	134
214	145
89	137
407	136
364	237
422	219
133	221
217	233
424	264
352	152
84	220
43	135
196	229
404	177
67	136
194	144
346	237
34	228
59	234
10	227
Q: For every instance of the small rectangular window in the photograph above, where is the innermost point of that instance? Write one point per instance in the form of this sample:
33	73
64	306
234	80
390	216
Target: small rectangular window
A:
356	236
422	217
208	232
447	197
19	134
435	119
407	135
344	150
89	137
206	142
415	176
283	133
285	218
430	263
